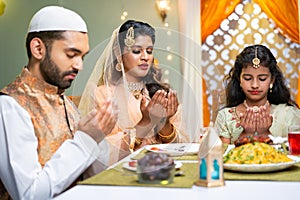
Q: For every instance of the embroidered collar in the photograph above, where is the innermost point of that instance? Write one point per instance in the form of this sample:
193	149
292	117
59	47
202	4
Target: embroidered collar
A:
136	88
36	84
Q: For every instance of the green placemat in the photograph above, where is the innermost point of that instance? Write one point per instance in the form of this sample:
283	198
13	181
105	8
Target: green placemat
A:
290	174
184	157
123	177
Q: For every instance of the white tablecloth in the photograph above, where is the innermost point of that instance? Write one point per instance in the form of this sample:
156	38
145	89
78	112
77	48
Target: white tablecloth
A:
233	190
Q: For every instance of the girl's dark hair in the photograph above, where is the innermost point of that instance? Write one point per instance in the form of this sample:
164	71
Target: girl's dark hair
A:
46	36
153	78
234	94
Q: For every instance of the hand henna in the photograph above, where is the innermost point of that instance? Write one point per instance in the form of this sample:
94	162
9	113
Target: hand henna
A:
262	138
249	138
262	121
154	87
244	138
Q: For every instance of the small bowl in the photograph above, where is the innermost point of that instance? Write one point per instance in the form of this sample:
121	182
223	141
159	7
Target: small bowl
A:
153	173
162	176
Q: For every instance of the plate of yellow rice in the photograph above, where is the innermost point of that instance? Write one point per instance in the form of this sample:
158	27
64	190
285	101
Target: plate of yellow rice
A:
257	157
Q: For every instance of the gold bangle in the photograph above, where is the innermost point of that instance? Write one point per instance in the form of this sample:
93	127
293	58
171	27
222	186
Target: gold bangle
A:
170	136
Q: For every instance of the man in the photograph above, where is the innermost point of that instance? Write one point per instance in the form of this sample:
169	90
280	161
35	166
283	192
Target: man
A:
44	147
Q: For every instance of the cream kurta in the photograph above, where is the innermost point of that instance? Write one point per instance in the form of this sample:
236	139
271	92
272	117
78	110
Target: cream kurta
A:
283	116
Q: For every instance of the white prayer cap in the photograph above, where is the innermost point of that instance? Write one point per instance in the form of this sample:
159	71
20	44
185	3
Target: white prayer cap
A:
56	18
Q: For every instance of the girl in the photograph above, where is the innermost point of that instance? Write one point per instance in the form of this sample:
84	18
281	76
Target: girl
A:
258	103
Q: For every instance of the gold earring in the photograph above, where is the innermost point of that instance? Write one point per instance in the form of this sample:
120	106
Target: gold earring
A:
119	67
271	86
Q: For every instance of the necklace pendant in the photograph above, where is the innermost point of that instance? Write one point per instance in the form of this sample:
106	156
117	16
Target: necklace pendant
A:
136	88
136	94
255	109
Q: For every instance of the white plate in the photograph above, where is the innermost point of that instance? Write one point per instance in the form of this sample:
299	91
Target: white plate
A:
229	147
127	166
175	149
262	167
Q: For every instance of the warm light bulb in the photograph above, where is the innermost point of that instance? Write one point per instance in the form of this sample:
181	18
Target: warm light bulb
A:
163	5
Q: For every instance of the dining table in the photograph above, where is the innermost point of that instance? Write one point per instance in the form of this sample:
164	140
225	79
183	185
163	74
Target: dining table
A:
113	183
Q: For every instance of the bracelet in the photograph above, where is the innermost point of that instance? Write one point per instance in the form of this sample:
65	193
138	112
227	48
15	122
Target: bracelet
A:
170	136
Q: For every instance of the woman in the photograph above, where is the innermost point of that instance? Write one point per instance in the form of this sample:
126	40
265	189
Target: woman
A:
258	103
149	111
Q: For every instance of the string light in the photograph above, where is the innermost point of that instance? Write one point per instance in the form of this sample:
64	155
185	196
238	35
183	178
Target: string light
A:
124	15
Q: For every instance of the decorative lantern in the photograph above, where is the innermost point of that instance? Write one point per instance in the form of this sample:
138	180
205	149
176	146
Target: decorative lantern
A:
210	159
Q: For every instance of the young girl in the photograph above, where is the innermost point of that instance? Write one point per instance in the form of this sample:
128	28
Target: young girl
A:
258	103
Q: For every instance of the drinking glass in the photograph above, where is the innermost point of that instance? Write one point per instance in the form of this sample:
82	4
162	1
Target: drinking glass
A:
294	139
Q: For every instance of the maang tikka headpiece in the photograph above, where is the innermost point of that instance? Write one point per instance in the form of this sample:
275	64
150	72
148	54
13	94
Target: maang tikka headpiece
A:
256	60
129	40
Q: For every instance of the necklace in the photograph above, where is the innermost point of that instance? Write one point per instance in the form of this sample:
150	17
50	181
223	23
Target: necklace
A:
136	88
255	108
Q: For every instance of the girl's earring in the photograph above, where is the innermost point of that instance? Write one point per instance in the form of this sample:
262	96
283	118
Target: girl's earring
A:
271	86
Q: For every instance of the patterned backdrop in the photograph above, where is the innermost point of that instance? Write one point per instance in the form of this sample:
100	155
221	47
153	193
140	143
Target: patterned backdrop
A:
247	25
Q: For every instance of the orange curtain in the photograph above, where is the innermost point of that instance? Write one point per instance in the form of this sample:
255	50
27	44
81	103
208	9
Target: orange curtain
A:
206	113
213	13
286	17
284	14
298	94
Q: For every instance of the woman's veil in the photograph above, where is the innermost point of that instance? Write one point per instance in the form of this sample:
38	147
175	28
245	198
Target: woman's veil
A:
109	50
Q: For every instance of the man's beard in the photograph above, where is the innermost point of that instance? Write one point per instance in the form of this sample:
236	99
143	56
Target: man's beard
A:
53	75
